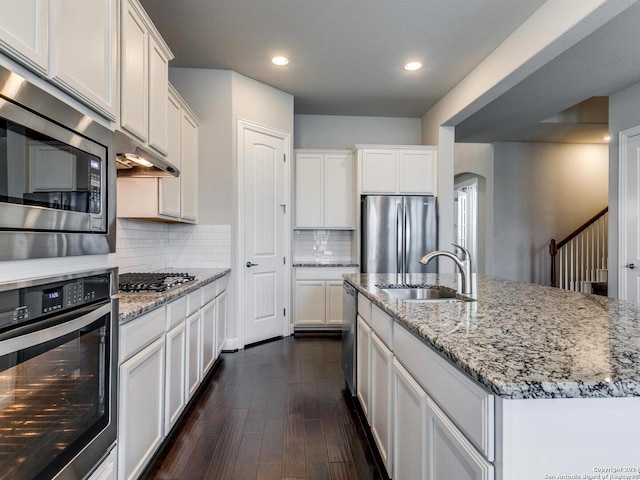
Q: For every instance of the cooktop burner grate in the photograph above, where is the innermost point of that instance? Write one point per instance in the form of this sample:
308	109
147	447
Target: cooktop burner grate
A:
153	282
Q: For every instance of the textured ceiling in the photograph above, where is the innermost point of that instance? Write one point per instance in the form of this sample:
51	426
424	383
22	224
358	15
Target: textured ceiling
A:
347	56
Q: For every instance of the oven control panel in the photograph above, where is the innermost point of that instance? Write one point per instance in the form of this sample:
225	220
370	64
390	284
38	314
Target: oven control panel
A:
28	304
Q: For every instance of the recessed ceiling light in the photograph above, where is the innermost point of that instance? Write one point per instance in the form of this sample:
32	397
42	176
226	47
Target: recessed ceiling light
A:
607	138
413	66
280	61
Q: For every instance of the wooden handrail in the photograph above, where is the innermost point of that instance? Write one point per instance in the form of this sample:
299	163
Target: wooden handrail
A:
581	228
555	246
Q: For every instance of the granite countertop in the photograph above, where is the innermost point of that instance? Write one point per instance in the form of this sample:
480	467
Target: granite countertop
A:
132	305
325	264
525	341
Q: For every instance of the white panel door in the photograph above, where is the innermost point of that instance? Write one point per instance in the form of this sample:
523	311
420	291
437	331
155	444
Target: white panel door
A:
338	191
381	399
221	322
409	426
417	172
208	336
379	171
363	365
189	171
175	364
630	220
134	99
310	302
264	235
24	32
309	190
334	292
170	186
193	354
83	48
450	455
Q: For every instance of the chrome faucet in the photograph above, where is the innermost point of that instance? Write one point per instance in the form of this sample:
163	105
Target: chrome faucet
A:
463	262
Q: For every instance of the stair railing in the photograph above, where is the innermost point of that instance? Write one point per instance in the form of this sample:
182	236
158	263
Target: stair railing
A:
582	255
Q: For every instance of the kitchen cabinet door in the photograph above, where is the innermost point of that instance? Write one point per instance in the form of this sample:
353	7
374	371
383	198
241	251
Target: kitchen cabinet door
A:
309	190
208	336
158	91
310	302
189	172
338	190
449	453
169	201
193	354
409	426
363	365
334	303
134	73
24	32
221	322
83	51
417	171
381	401
141	409
379	171
175	368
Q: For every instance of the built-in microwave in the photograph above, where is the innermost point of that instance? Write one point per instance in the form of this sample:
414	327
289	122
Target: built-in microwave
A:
57	176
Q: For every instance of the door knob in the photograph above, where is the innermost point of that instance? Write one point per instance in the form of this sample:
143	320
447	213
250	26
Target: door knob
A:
249	264
630	266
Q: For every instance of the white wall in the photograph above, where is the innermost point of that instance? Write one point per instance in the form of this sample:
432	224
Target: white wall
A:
542	191
624	113
343	132
220	98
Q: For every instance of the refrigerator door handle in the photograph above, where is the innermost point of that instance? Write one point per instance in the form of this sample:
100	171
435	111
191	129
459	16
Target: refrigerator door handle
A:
399	243
406	243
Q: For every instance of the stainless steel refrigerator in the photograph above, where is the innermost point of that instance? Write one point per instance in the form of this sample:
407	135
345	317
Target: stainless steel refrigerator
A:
396	232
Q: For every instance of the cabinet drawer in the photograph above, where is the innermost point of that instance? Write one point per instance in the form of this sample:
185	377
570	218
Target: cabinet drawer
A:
222	282
210	291
139	333
323	273
176	311
470	406
194	301
382	324
364	308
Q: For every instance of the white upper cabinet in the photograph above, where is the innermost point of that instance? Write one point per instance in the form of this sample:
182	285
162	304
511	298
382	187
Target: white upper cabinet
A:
72	43
144	76
24	32
189	172
325	189
398	170
169	202
83	49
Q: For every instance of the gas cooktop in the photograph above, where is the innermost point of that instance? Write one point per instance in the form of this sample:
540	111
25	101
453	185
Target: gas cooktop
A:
153	282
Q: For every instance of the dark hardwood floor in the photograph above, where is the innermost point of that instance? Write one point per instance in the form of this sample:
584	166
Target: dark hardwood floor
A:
273	411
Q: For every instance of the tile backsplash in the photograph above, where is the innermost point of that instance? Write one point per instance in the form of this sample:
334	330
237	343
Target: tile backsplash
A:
149	246
323	246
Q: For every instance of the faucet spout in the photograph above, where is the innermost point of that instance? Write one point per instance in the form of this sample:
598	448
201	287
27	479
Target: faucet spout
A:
463	263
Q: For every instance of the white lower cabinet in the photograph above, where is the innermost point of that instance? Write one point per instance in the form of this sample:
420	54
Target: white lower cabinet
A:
194	353
382	399
208	336
175	399
141	403
363	362
410	426
450	454
221	322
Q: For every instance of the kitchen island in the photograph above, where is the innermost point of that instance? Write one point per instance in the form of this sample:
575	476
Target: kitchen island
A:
526	382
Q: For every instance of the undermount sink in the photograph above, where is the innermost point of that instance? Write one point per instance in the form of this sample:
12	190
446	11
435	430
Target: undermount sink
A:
422	294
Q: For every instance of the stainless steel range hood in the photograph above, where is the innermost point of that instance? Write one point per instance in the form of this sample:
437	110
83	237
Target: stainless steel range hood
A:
134	160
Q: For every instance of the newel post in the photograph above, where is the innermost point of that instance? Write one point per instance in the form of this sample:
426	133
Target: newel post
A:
553	251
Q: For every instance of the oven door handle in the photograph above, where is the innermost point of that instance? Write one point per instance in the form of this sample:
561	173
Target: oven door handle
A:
18	341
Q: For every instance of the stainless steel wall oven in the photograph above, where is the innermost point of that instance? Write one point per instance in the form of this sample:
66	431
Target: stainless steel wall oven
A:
57	176
58	375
